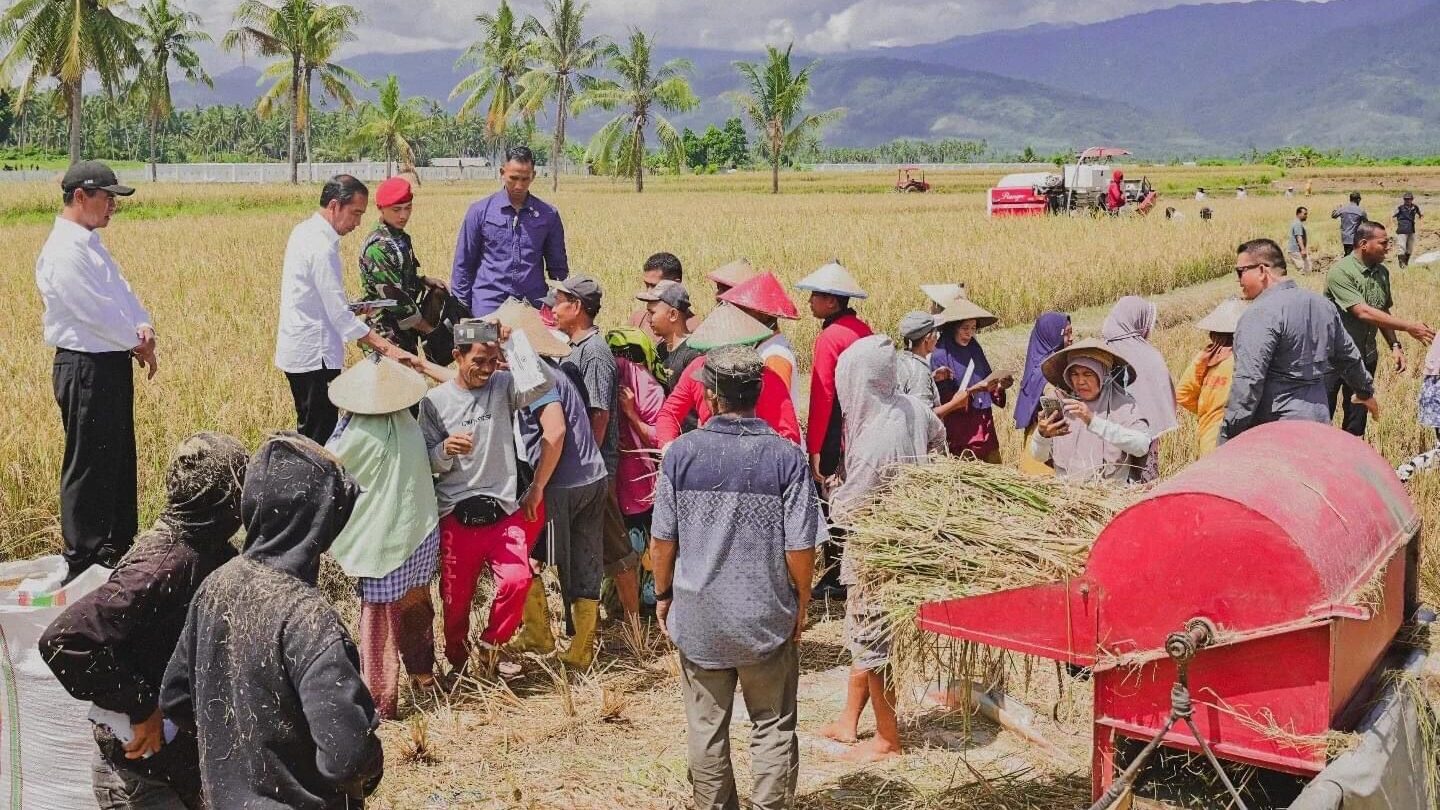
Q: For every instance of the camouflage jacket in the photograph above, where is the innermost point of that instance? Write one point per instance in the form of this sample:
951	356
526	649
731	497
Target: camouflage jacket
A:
388	257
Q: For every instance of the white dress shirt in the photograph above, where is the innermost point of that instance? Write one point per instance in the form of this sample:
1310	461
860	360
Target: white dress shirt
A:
315	321
89	306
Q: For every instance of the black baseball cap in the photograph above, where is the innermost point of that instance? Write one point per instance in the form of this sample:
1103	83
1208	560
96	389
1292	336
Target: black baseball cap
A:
92	175
583	287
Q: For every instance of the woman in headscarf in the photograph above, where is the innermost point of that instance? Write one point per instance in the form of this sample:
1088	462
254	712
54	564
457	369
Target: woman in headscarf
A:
965	371
1126	332
640	397
1206	389
1051	333
111	646
1095	432
882	429
391	544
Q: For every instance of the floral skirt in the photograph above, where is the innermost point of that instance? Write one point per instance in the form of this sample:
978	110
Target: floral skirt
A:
1430	402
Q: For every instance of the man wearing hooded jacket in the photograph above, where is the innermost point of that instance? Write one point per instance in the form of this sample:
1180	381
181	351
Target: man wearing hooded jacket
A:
265	671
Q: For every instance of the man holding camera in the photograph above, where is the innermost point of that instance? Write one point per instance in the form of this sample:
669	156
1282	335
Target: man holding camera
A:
485	520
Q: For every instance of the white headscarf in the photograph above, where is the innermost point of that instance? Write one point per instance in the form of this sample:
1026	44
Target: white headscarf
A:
882	427
1126	332
1080	455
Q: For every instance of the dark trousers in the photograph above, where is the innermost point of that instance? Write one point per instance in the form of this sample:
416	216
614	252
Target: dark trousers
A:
315	414
832	461
1355	417
1346	250
98	512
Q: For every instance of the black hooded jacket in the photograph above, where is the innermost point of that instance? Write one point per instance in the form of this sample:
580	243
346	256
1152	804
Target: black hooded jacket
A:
265	671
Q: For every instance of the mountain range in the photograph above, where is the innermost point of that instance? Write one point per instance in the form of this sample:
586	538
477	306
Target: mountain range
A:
1179	82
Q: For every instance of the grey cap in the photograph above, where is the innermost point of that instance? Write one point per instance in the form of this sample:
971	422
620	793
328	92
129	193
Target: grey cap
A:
669	292
92	175
1408	196
732	371
582	287
916	325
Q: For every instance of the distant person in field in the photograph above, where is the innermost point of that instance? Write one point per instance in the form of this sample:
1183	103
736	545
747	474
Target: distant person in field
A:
390	269
659	267
1299	244
316	319
1350	215
1115	193
734	555
1407	218
509	243
1359	286
1200	193
1287	347
97	327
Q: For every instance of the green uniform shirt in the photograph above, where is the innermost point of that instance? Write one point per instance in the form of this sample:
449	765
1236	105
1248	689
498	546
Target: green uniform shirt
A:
1349	283
389	258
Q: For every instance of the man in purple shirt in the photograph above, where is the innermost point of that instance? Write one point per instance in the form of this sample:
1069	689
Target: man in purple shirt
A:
508	243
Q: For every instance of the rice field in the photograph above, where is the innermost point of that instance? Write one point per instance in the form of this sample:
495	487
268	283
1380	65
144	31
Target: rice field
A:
206	260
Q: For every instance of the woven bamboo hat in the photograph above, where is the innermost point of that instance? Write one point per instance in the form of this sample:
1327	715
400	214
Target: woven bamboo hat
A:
963	309
1224	318
943	294
832	279
1053	367
377	385
733	274
519	316
726	325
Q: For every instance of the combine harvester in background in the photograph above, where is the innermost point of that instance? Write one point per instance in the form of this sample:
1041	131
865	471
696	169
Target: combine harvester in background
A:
1080	186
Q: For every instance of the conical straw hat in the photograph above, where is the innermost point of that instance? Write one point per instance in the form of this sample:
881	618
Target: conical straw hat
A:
963	309
519	316
943	294
832	279
1224	318
763	293
1053	367
377	385
726	325
733	274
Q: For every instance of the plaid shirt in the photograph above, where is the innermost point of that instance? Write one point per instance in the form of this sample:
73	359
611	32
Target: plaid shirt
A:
388	257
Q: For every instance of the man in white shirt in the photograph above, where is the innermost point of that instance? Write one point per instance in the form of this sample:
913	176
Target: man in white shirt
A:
316	318
96	325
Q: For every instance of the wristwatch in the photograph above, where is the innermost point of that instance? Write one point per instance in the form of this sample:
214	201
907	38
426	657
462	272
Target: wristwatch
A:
666	595
1395	345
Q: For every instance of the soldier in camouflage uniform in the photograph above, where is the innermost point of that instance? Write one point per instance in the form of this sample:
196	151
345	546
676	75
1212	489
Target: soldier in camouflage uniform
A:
389	269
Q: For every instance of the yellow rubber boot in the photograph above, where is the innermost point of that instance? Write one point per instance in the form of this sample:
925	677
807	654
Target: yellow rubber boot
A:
535	635
581	654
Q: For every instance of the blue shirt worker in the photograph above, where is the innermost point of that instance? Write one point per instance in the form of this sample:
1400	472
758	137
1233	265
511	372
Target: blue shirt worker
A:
735	527
508	243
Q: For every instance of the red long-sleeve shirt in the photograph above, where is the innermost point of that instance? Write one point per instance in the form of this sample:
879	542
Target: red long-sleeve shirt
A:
688	395
836	337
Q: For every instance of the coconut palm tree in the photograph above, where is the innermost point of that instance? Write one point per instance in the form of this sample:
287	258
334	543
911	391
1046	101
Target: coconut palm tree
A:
560	56
619	146
773	99
305	33
391	123
500	57
168	34
64	40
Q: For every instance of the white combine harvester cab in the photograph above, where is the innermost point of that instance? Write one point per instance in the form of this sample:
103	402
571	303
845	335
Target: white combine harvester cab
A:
1079	186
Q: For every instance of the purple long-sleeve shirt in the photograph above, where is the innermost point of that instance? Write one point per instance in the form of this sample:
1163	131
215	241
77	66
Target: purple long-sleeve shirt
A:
504	253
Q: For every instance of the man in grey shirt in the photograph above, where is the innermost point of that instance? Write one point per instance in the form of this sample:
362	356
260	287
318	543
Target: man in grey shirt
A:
1350	215
1299	246
733	543
576	303
1288	346
468	423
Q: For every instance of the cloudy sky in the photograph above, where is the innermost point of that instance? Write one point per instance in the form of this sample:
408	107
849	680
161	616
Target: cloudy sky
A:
816	26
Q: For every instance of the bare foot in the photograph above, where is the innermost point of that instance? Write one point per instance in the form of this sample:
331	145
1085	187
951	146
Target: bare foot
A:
839	732
873	750
423	681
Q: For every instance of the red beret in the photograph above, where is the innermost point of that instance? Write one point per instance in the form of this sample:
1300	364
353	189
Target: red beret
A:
394	191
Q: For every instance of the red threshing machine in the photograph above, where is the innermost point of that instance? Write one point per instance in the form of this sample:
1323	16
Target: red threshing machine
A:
1266	580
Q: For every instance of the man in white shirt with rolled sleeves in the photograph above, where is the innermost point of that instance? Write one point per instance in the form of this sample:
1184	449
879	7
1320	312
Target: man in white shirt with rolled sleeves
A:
96	325
316	318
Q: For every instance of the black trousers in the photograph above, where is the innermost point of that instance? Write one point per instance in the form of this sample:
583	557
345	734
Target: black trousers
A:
315	414
1355	417
98	510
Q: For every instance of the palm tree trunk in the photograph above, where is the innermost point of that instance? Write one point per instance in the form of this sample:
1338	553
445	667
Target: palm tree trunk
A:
309	158
294	118
153	126
77	109
558	150
640	158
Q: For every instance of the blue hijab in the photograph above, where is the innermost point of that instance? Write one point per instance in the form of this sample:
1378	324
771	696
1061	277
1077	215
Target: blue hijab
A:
950	354
1046	338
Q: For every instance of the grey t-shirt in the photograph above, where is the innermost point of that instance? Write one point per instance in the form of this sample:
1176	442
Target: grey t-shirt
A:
735	497
1298	235
914	377
591	357
488	413
580	462
1349	215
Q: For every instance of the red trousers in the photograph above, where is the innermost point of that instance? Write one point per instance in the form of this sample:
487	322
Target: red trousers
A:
504	548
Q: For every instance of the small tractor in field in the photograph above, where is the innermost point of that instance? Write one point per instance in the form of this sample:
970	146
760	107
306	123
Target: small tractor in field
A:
906	181
1078	186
